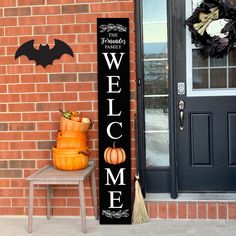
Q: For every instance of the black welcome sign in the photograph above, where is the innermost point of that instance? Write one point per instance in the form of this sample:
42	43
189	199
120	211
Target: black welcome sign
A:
114	120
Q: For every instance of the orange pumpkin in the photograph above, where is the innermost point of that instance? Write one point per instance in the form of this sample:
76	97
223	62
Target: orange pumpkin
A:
114	156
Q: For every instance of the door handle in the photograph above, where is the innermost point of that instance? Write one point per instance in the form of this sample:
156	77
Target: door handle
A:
181	106
181	120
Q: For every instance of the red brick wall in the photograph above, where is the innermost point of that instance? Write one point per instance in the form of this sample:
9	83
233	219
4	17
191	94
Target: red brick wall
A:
31	95
201	210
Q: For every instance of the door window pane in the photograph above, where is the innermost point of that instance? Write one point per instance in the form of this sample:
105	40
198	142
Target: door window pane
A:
200	78
157	151
155	74
218	78
198	60
232	78
156	82
214	62
156	114
232	57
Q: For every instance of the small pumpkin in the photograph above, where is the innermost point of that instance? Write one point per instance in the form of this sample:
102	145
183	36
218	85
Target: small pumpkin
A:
114	155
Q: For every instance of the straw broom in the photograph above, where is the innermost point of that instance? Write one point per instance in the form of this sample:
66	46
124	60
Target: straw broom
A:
140	214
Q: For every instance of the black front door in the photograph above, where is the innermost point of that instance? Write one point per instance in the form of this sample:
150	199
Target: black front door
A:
205	108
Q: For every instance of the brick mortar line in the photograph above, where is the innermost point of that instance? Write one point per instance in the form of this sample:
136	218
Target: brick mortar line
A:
4	31
227	211
78	43
206	205
197	216
38	73
207	210
54	34
167	210
57	72
89	7
56	14
41	198
54	92
192	201
51	5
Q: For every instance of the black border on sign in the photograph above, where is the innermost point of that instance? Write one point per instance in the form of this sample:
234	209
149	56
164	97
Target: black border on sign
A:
114	112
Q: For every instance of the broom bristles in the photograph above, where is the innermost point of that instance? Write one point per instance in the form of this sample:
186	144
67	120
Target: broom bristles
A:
140	214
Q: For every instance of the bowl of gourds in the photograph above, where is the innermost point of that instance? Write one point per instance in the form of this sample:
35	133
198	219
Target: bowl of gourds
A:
74	121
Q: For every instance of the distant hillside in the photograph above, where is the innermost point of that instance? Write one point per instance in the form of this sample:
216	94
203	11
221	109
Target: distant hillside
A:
155	48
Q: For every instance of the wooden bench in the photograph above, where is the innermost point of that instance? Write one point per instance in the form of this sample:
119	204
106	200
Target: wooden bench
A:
48	175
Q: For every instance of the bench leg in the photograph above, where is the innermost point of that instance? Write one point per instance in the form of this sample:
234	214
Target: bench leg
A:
31	202
49	194
82	206
94	194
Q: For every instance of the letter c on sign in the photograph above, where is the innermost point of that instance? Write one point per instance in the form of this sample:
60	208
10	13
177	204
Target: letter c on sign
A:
109	130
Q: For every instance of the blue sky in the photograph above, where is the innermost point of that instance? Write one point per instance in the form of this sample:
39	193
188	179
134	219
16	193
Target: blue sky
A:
155	21
154	10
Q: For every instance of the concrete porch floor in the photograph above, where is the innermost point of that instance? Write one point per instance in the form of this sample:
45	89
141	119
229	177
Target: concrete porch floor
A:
17	226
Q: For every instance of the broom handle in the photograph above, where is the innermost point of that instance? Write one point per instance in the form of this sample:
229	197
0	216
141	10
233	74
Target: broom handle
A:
136	144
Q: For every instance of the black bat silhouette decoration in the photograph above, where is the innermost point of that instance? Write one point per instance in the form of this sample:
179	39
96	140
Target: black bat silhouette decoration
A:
44	55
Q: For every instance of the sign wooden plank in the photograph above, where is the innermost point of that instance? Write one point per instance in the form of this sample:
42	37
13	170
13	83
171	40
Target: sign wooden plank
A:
114	120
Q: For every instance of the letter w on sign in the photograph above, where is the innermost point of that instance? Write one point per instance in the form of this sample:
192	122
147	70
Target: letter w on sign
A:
114	60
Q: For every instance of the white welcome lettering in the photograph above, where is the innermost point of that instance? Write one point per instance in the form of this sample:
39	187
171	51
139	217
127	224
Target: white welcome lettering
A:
111	108
114	180
112	199
114	60
109	130
111	84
